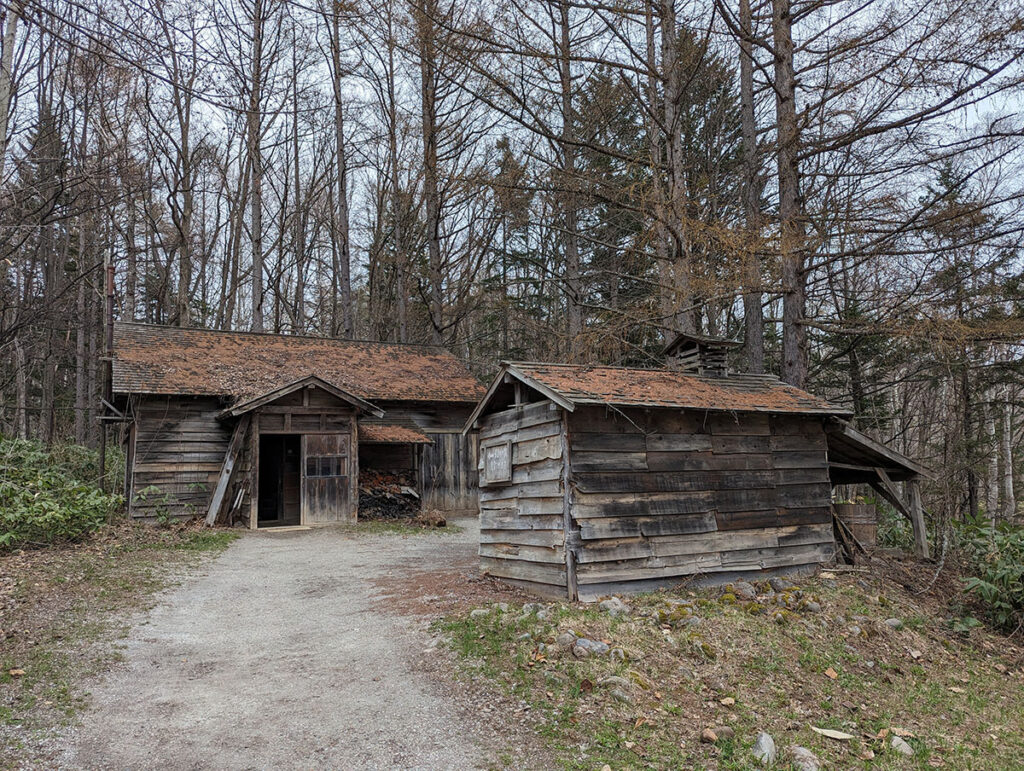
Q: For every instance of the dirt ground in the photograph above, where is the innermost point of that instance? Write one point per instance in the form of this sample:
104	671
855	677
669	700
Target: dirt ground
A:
303	649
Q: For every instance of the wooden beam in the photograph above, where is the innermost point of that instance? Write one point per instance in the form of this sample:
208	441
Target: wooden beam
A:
227	470
917	519
913	512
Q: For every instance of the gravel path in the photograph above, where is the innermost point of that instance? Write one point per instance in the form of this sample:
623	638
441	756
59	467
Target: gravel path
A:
279	656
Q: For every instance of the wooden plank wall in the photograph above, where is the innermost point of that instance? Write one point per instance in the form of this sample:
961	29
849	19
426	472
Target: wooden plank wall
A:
664	494
447	467
521	521
179	449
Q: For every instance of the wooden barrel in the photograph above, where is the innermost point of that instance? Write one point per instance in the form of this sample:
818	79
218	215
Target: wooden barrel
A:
862	519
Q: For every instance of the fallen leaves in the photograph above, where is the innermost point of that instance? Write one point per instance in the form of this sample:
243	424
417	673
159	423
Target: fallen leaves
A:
831	674
16	672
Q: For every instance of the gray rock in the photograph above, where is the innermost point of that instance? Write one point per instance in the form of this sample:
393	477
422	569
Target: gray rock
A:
501	607
542	614
617	654
744	590
804	759
781	584
480	613
764	749
620	695
584	647
531	607
894	623
615	607
855	630
812	607
566	639
725	732
614	681
524	636
901	746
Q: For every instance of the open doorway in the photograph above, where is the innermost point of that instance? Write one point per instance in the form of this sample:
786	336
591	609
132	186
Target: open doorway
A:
280	480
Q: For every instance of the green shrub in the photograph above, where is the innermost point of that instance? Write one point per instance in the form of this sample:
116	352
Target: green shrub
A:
996	562
49	495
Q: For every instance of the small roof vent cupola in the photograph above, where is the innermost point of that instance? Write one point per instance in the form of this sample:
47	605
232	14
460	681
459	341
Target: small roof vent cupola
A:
699	354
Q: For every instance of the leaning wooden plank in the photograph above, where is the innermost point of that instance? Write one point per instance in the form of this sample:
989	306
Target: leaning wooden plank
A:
917	519
587	506
595	529
546	555
494	520
548	538
601	572
524	570
228	469
593	482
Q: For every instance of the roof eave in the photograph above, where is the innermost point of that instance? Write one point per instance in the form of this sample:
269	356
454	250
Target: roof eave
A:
508	368
360	404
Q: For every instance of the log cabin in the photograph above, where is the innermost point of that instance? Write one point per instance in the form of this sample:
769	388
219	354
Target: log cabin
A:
598	480
269	430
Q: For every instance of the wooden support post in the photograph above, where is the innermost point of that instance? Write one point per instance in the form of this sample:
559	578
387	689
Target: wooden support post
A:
912	512
227	470
917	519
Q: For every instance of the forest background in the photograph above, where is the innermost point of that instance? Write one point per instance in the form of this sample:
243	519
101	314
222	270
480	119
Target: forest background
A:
838	184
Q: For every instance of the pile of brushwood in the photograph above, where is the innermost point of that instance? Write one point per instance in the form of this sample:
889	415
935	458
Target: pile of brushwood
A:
387	495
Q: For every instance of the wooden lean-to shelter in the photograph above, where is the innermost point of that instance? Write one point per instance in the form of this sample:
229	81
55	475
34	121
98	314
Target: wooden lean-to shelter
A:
596	480
269	430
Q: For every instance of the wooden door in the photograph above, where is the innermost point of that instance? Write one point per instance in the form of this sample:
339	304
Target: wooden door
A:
326	477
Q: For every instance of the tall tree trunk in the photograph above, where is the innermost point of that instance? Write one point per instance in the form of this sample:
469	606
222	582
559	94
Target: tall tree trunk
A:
992	480
81	384
299	223
255	156
1007	445
570	216
792	235
662	236
341	214
14	9
431	191
753	312
20	390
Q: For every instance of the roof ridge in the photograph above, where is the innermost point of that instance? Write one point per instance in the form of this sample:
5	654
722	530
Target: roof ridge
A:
147	325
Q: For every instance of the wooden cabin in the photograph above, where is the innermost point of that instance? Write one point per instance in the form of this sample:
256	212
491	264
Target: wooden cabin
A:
269	430
600	480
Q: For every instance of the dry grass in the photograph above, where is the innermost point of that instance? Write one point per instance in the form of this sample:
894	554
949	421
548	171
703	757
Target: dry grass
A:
957	699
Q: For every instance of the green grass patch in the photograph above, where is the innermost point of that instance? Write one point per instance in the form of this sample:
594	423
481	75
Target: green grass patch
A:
954	699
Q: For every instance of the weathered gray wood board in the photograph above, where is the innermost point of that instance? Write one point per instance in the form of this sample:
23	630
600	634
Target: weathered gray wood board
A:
679	493
633	497
521	520
178	453
447	466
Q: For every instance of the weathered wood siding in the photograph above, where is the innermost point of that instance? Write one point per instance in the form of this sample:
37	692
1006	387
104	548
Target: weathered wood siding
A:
447	466
178	451
521	521
666	493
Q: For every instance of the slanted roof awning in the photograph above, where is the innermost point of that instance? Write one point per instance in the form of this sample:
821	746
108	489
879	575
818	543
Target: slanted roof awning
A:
382	433
855	458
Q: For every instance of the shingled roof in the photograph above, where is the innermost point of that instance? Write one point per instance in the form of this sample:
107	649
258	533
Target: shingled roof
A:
151	359
570	384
